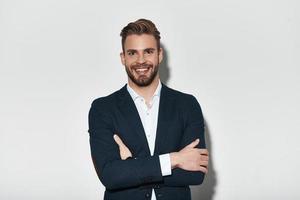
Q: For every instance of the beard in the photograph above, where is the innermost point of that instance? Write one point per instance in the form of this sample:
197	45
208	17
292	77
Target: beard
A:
142	80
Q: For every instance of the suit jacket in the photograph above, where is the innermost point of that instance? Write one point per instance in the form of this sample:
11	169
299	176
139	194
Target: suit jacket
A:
180	122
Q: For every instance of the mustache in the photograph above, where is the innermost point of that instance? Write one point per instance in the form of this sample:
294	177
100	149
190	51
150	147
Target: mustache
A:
143	65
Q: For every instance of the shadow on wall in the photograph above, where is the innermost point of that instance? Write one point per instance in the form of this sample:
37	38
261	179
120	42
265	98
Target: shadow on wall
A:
206	190
164	70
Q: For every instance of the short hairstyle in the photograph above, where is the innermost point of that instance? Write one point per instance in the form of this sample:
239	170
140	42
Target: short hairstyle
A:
139	27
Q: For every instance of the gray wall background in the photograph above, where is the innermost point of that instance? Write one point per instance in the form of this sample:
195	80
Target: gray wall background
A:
239	58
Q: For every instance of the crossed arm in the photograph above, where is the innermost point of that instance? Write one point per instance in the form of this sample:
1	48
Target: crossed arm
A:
189	158
117	172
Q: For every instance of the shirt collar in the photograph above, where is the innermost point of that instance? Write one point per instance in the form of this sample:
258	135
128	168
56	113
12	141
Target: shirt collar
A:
135	95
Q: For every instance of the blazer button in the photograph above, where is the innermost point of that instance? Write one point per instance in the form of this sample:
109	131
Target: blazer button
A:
147	195
159	195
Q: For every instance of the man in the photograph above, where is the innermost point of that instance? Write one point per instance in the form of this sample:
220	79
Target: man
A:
147	140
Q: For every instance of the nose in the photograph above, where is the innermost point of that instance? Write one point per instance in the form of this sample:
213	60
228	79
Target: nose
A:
141	58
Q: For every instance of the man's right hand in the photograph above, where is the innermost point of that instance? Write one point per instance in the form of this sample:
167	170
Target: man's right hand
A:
191	158
124	151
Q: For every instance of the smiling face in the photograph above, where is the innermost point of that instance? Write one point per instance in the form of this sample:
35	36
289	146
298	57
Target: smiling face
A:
141	58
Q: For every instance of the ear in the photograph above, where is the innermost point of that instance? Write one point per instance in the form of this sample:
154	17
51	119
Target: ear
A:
122	56
160	55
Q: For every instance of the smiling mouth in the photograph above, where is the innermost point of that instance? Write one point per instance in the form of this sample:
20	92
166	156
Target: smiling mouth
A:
142	71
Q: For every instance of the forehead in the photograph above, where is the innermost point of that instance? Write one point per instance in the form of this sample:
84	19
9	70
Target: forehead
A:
142	41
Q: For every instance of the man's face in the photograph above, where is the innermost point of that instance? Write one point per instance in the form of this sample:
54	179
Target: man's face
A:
141	58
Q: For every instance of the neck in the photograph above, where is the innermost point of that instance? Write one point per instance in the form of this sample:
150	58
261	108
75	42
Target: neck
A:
147	91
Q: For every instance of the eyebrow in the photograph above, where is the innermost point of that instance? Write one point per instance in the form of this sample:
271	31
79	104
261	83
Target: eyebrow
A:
131	50
147	49
151	49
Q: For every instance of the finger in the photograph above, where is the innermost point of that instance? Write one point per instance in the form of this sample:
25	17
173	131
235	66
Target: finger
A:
204	163
193	144
118	141
200	168
203	169
203	152
204	158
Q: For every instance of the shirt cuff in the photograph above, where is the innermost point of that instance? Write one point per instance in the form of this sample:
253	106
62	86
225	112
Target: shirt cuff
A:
165	164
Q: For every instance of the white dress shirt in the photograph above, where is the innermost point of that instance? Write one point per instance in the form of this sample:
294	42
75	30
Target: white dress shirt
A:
149	116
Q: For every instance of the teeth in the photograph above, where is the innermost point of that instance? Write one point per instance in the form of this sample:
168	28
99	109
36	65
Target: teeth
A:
141	70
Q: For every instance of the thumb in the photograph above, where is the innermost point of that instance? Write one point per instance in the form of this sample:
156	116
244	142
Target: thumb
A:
118	140
193	144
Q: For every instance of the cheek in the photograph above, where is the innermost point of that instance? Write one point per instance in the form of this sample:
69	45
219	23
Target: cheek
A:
152	59
130	60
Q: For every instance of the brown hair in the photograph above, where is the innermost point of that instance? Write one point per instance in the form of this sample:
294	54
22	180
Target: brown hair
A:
139	27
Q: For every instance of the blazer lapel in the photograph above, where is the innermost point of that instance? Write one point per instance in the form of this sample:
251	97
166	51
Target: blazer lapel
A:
131	115
165	106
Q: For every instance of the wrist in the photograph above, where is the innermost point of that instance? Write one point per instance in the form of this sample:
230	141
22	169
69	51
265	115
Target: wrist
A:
174	157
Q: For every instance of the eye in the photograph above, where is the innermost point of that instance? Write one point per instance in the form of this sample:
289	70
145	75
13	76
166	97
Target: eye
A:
131	53
149	51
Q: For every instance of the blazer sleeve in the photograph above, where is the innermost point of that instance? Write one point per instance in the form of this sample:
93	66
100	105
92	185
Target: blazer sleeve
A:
194	129
113	172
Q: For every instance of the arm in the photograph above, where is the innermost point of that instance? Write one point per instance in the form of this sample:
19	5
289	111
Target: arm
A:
113	172
194	129
190	163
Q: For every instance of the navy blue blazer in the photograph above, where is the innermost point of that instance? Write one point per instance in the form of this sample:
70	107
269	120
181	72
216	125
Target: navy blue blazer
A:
180	122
